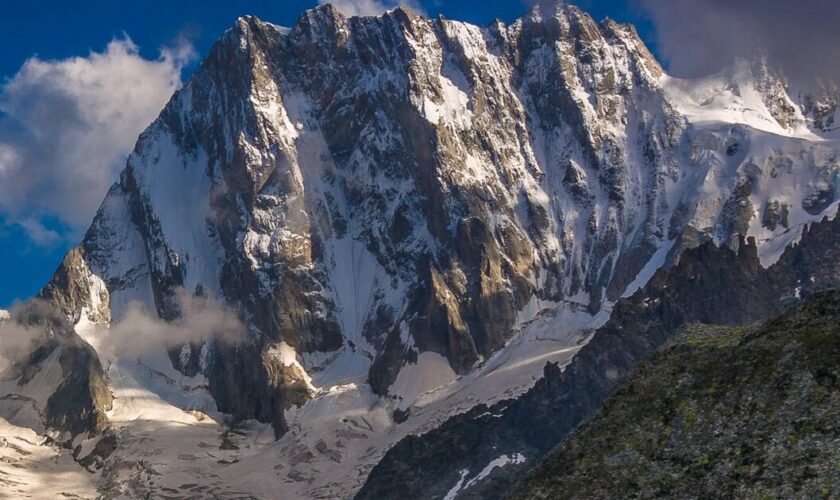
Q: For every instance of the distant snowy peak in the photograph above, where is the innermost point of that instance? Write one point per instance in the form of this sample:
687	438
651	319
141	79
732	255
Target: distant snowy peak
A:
751	94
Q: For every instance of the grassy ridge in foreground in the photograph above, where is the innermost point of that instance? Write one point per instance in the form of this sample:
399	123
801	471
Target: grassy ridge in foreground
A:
716	412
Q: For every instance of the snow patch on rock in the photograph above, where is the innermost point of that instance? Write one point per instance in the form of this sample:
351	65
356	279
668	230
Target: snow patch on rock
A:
431	372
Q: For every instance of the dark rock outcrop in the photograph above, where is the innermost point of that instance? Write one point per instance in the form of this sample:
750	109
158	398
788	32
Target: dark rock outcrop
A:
77	404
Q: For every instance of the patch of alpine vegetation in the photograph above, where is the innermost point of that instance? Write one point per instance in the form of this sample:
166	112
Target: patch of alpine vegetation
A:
737	412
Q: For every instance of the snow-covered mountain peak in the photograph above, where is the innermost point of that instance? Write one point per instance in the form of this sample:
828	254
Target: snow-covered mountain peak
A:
411	216
368	189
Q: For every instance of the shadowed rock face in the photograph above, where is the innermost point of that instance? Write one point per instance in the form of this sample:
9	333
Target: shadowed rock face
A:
726	411
77	403
388	186
80	402
709	284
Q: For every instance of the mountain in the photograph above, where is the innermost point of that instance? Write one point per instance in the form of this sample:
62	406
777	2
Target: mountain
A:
717	411
395	219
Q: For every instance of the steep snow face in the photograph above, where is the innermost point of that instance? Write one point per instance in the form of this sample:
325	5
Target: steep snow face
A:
412	216
431	371
747	94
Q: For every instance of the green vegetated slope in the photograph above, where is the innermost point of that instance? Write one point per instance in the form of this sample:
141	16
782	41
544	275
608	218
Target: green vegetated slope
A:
716	412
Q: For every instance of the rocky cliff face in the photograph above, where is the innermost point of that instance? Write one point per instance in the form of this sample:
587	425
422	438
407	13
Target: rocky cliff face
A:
725	411
375	188
389	202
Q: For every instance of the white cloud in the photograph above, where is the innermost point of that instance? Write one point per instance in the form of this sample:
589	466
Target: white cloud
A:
66	127
201	319
352	8
30	324
137	333
38	232
699	37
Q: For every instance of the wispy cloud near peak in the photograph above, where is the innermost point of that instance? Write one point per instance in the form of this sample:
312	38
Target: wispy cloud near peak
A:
66	127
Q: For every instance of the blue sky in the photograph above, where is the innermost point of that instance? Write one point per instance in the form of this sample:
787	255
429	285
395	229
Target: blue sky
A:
58	30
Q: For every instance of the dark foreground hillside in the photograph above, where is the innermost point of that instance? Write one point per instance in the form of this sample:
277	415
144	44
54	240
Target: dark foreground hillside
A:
716	412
